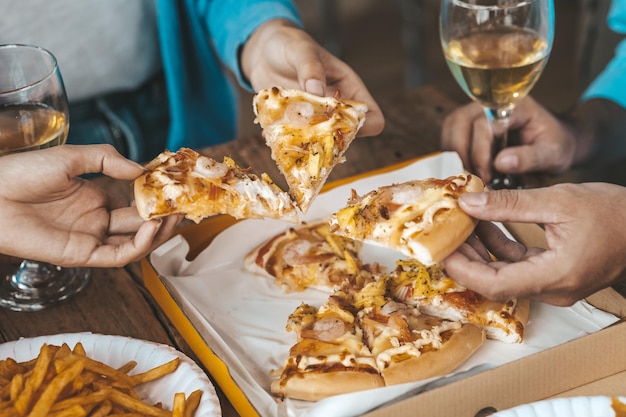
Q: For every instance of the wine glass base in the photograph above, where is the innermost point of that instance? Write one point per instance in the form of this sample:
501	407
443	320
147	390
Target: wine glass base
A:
57	284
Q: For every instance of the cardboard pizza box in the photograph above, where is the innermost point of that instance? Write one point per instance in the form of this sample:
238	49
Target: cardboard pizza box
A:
591	365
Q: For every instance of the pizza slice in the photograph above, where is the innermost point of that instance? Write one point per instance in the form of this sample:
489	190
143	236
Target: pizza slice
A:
306	256
410	346
434	293
307	134
186	182
407	344
419	218
329	357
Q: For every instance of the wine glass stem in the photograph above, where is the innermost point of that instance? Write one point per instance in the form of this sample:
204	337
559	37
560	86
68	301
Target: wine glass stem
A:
499	119
499	122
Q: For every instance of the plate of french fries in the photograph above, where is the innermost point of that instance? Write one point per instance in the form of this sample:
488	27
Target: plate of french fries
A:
94	375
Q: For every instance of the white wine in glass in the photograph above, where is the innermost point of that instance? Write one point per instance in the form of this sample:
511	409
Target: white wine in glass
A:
33	115
496	51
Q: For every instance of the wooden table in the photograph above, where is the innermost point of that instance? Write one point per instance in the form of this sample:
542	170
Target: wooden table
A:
116	302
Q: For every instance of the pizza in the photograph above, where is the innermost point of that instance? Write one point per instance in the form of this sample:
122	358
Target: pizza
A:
329	356
434	293
306	256
361	339
197	186
419	218
377	327
307	134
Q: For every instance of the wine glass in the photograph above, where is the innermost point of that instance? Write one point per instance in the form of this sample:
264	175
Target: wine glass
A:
33	115
496	51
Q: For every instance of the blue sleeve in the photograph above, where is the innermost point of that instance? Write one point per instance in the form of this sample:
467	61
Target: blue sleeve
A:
610	84
229	24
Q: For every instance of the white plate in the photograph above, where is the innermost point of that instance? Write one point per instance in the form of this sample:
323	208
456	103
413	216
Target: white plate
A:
598	406
115	351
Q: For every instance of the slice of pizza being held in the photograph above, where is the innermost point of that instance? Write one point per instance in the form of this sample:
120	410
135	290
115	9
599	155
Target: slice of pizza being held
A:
197	186
420	218
307	134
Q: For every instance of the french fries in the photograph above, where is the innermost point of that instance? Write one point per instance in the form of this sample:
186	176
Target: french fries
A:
65	382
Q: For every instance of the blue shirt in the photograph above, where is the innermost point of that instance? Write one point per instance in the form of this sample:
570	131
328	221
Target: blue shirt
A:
197	39
610	84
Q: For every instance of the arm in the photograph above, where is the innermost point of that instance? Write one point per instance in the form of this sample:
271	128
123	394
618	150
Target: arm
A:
49	213
585	228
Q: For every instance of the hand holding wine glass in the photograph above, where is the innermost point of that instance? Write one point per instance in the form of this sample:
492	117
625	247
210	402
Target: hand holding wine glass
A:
496	50
34	115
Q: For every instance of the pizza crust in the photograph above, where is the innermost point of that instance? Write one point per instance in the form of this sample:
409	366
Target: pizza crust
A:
457	349
314	386
420	219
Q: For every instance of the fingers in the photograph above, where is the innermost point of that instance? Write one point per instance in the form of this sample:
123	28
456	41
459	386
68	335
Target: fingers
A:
374	121
498	243
340	77
121	250
543	205
466	131
88	159
124	220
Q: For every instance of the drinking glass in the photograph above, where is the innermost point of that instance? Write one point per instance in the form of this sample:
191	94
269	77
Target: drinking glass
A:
496	51
33	115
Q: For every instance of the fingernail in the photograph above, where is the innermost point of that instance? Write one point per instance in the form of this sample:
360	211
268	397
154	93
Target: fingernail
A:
137	164
508	161
474	199
314	87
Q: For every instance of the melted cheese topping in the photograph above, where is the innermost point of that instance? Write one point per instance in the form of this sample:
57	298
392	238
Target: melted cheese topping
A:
307	134
195	185
308	256
425	337
412	280
396	215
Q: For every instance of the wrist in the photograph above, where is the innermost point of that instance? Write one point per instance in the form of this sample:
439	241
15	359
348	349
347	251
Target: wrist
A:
253	50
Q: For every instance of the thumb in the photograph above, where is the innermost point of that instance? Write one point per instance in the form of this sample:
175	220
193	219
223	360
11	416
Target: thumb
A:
524	206
105	159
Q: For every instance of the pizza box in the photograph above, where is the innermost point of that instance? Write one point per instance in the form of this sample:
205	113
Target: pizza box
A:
591	365
537	376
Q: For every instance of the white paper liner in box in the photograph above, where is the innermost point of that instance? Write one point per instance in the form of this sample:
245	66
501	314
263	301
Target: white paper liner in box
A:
242	316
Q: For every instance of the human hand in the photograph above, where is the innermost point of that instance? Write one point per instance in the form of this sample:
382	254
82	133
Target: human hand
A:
48	213
547	144
585	228
280	54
